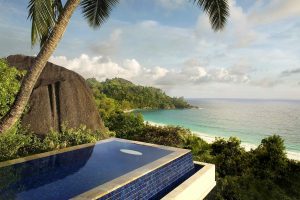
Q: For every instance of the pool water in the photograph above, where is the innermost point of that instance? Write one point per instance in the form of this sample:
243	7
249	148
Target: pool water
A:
68	174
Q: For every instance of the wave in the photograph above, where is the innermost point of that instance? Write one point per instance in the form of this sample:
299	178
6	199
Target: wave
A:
210	139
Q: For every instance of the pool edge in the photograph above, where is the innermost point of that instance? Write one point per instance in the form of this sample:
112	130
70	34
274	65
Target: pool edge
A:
197	186
50	153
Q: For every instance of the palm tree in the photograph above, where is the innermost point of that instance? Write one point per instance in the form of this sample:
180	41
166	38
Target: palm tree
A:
49	22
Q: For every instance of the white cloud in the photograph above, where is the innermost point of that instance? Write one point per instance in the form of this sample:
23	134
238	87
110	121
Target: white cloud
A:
274	11
101	67
239	31
171	4
158	72
205	81
149	24
191	73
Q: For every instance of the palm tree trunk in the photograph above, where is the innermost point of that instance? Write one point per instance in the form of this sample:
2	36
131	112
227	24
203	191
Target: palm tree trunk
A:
39	63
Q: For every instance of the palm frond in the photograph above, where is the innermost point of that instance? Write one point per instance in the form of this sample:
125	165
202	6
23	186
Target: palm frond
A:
57	7
217	10
97	11
43	14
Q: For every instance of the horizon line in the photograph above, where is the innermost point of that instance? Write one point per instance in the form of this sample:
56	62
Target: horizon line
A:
237	98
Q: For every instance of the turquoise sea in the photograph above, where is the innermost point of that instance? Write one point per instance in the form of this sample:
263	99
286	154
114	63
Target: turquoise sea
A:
249	120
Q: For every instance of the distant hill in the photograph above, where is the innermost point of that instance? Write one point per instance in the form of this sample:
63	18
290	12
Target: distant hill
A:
130	96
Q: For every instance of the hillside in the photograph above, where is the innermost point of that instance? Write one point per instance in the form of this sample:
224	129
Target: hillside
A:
130	96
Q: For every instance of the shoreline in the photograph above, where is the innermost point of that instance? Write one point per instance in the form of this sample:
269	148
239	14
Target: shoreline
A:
129	111
210	139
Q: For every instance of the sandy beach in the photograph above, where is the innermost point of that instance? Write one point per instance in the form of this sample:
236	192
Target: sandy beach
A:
128	111
210	139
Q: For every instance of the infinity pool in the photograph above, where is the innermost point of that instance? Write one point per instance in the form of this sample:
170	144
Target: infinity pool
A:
94	171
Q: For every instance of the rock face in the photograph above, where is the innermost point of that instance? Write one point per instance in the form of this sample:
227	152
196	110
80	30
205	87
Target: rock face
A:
59	96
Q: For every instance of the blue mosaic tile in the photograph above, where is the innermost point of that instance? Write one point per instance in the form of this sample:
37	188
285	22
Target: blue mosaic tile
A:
155	183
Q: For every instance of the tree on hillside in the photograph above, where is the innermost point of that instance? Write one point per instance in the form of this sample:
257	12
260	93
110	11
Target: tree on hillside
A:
269	158
49	22
229	157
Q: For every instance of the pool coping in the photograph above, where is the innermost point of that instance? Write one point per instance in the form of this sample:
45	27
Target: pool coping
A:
195	187
50	153
103	189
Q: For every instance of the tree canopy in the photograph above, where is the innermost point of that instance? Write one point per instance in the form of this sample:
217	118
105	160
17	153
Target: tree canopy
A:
126	95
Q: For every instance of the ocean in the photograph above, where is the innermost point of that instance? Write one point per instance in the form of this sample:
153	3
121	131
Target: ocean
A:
249	120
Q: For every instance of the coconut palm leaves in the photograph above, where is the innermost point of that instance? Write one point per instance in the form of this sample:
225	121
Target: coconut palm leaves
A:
97	11
217	11
44	15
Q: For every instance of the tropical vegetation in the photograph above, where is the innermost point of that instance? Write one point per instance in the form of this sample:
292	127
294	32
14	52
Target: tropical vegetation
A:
19	142
118	93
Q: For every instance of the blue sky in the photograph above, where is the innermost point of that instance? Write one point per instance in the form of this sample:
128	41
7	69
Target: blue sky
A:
169	44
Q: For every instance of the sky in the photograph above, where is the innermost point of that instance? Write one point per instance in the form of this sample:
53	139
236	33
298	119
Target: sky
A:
169	44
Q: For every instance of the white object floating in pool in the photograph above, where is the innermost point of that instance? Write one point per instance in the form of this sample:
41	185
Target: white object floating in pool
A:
132	152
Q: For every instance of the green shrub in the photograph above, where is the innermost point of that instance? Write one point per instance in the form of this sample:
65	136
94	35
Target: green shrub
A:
125	125
229	156
263	173
200	149
71	137
164	135
269	158
9	85
19	142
